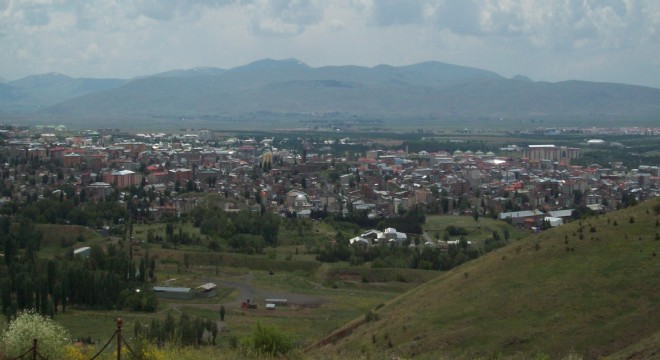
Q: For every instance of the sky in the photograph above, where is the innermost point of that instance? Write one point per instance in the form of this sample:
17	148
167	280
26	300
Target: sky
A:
546	40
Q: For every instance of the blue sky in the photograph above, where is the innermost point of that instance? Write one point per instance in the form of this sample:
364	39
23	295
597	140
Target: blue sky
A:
549	40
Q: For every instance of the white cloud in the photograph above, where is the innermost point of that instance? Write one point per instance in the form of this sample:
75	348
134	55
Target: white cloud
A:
608	40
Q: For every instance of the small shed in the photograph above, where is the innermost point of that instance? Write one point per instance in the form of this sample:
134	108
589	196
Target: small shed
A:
206	291
177	293
270	306
554	221
278	302
83	251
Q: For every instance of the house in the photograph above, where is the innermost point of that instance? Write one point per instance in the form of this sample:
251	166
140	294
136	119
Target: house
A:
526	219
389	236
359	240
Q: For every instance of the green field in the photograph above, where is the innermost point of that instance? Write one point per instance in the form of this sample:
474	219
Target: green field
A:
346	291
483	228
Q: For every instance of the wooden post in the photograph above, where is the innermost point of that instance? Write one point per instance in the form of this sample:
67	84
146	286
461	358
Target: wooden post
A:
34	349
119	322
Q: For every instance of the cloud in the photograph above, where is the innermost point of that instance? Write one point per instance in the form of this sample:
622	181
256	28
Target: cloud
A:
610	39
464	17
284	17
396	12
560	25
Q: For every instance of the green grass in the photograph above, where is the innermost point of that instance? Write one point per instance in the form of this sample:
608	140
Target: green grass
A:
59	239
477	231
598	297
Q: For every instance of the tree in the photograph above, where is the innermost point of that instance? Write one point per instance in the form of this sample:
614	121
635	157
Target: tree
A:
214	329
222	313
475	214
267	341
29	325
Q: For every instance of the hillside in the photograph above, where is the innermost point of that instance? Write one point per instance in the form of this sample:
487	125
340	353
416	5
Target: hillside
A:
588	287
290	89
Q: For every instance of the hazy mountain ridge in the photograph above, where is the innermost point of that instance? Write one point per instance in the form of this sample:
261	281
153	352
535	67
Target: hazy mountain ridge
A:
429	89
38	91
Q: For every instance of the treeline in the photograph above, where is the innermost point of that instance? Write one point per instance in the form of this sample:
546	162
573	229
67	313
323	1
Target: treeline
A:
407	221
412	257
242	231
185	331
393	256
59	210
105	279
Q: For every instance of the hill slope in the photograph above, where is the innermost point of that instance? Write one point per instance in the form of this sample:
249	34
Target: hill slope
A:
552	294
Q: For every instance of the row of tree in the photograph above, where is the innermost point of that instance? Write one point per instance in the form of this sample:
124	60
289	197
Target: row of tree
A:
216	222
185	331
419	257
106	279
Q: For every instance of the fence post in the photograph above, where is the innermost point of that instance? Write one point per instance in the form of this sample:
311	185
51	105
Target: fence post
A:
119	322
34	349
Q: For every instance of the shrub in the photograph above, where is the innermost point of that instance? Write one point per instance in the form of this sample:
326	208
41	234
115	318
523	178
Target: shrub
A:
371	316
267	341
28	325
456	230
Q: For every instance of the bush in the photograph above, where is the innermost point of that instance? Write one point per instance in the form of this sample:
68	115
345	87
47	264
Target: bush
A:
371	316
267	341
456	230
28	325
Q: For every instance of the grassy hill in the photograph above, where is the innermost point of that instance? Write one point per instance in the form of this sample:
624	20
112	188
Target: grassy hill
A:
590	287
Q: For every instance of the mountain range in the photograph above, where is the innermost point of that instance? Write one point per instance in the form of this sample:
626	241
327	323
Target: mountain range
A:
290	87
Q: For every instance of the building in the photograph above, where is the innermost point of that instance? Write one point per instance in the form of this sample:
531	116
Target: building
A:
177	293
122	178
72	160
99	190
551	152
206	291
182	175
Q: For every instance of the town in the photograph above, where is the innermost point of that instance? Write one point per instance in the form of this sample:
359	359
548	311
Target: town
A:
531	186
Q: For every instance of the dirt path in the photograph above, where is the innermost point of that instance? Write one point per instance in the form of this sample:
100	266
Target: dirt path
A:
246	290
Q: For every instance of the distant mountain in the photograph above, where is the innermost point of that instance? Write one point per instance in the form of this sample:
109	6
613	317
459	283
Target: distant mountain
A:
522	78
38	91
199	71
289	87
